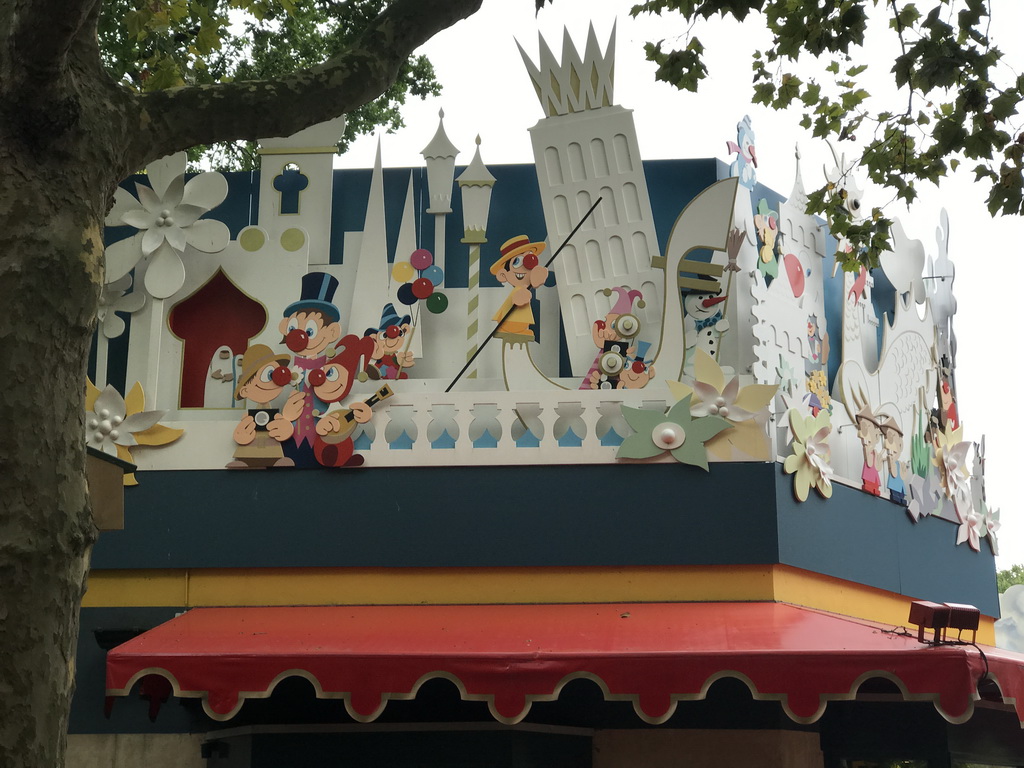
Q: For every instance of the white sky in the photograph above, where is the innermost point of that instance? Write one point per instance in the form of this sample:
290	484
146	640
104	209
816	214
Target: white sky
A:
487	92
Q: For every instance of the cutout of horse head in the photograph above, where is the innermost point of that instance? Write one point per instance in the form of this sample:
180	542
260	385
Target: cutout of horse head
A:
845	185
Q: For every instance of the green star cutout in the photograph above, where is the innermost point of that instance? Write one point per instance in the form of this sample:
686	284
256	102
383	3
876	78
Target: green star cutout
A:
641	445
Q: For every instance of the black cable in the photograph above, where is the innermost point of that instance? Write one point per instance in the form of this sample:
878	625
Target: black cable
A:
480	349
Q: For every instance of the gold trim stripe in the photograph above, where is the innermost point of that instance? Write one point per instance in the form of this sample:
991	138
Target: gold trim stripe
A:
461	586
701	268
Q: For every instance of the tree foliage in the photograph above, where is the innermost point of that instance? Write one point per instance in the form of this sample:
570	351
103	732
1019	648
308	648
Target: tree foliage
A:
1007	577
958	100
151	45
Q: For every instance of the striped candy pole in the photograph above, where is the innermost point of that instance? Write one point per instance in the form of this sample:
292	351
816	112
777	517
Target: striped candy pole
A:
473	306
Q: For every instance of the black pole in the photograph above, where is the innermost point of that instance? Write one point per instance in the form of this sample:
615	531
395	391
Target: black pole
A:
554	256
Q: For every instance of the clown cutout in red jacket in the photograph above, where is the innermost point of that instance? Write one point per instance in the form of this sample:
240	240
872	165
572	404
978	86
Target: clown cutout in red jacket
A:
331	384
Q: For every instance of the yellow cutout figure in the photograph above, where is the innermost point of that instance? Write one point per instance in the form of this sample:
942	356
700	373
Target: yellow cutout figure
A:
520	269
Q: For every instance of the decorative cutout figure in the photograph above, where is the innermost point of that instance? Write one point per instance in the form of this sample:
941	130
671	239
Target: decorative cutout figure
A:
947	403
388	358
893	444
519	268
817	347
614	338
704	323
637	373
869	432
817	388
842	182
745	164
263	429
766	222
310	327
330	385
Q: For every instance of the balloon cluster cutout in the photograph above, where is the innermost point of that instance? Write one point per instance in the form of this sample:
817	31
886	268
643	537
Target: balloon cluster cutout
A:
419	276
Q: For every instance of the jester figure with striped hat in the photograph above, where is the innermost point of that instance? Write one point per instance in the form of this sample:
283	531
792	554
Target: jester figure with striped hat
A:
619	363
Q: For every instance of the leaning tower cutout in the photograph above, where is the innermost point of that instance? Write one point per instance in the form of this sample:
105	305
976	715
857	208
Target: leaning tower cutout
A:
586	147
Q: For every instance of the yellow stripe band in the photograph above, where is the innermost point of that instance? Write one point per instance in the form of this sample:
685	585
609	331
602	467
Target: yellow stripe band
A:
393	586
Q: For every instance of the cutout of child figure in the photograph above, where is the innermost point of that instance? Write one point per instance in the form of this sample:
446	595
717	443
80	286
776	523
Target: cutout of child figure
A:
869	433
520	269
263	429
893	437
636	375
389	359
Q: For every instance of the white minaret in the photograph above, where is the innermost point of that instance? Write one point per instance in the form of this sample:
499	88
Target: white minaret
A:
475	183
586	148
440	156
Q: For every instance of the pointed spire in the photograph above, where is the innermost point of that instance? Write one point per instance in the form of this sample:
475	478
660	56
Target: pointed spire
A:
440	146
371	278
476	173
439	155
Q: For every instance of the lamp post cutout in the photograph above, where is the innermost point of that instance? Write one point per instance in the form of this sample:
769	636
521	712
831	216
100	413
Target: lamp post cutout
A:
475	184
440	156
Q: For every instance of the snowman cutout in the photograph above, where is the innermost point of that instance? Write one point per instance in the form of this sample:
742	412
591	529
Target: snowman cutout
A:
704	321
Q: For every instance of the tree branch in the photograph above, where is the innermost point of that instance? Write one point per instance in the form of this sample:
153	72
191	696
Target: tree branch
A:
172	120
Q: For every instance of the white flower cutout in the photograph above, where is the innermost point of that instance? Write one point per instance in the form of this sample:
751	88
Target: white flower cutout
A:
924	495
991	529
107	426
715	403
818	454
972	527
115	299
167	216
951	459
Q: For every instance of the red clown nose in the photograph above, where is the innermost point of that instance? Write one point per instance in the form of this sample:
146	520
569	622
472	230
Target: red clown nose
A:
281	376
316	377
530	260
296	340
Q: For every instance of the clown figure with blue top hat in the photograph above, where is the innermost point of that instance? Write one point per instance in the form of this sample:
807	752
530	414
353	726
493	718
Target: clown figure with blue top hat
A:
310	327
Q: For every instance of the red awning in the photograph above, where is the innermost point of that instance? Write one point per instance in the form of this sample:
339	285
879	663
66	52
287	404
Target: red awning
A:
653	654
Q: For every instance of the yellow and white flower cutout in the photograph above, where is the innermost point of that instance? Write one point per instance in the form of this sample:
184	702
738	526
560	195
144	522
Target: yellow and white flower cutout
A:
114	424
745	408
809	462
951	458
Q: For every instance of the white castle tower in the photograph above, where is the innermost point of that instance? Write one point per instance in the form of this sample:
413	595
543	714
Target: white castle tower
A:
585	148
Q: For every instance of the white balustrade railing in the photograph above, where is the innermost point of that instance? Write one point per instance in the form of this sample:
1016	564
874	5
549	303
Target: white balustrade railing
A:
452	429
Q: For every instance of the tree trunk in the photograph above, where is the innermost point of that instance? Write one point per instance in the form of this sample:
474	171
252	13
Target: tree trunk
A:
67	136
50	277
